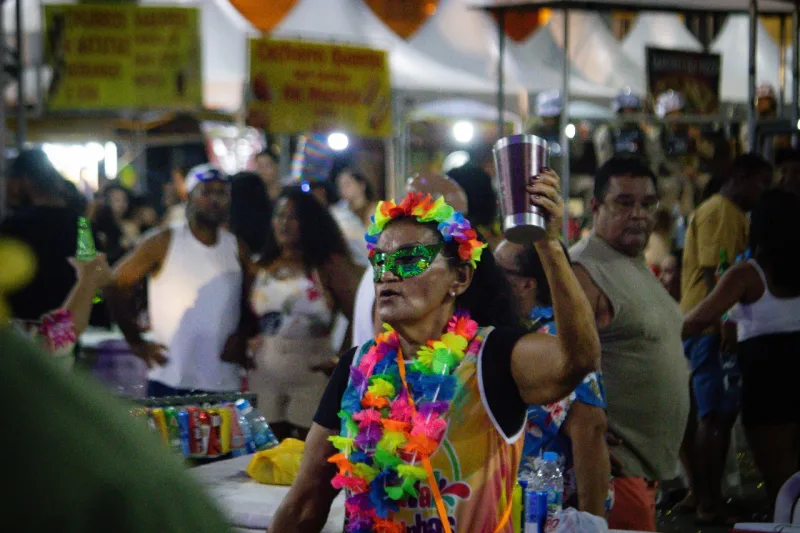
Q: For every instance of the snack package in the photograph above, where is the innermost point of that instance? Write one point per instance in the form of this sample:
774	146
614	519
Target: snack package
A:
278	465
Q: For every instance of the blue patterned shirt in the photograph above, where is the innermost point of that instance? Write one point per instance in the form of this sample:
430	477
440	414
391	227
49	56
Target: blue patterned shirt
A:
543	429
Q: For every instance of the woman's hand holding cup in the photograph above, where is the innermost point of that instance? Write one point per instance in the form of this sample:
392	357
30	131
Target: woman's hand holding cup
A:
544	191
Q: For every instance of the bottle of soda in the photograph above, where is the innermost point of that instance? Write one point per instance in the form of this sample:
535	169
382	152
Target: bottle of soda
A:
548	480
262	435
85	249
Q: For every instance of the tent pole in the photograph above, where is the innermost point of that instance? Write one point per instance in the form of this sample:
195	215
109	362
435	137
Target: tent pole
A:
795	69
501	39
21	124
3	127
782	67
751	110
565	175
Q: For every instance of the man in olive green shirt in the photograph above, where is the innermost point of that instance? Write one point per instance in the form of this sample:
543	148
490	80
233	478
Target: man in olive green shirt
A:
77	462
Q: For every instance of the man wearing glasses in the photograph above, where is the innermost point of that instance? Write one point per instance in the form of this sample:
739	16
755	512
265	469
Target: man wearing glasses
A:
197	289
639	323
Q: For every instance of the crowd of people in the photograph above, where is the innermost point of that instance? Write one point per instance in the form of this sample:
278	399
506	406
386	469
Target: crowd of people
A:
629	353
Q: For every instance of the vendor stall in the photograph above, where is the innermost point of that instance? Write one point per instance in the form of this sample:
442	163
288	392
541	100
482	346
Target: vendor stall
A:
249	505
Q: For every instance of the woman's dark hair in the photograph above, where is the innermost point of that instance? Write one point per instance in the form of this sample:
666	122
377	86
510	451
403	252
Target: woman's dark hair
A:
774	237
34	165
117	187
530	266
748	166
330	190
251	213
481	198
74	199
489	298
369	190
320	236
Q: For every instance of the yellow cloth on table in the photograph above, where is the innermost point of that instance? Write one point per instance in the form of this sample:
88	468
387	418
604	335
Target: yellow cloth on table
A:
278	465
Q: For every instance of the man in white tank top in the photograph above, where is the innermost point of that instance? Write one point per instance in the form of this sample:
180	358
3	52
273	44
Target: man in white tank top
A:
196	283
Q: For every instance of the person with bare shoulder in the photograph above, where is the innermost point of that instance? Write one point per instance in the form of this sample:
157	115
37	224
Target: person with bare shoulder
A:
438	401
198	281
639	323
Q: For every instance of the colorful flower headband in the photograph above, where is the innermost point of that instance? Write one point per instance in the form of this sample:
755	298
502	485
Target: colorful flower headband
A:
451	223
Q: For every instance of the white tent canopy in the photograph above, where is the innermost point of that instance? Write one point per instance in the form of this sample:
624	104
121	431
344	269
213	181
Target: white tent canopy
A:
353	21
716	6
464	38
593	50
540	63
458	108
658	30
467	39
729	44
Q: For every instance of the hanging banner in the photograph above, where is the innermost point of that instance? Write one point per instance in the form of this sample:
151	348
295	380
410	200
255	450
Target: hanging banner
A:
123	57
695	75
297	86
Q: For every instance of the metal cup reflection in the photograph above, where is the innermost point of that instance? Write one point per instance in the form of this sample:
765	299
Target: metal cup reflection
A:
517	160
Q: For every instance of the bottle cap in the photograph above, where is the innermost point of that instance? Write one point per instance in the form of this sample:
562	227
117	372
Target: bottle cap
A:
550	456
241	404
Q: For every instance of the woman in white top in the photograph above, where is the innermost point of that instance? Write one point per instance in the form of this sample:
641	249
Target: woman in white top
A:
763	296
296	295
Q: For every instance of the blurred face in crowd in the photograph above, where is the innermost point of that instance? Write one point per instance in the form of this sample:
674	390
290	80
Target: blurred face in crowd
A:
625	217
789	176
285	224
669	276
319	192
118	202
17	194
209	202
749	187
266	168
350	189
506	254
766	106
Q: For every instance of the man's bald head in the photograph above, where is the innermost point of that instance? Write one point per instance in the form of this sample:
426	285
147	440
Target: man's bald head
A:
438	185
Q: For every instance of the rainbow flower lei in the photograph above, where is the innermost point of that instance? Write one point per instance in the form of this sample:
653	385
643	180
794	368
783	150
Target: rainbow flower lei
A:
451	223
388	427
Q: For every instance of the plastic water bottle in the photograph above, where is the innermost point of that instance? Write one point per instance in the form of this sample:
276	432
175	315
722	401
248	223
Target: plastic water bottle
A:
550	480
253	421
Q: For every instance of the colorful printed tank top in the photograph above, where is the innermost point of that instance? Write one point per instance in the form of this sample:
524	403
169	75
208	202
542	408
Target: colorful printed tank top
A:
475	465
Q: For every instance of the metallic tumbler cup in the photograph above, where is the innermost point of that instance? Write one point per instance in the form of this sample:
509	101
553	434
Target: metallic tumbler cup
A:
517	160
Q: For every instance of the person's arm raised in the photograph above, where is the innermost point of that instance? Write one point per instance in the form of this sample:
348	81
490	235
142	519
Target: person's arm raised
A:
145	259
306	507
547	368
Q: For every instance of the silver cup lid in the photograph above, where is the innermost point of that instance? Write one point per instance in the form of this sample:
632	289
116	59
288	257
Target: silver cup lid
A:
519	139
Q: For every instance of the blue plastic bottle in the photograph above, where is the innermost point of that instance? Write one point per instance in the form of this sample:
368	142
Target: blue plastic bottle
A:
253	421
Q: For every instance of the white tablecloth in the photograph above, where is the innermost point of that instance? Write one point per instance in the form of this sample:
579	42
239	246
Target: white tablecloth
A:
248	504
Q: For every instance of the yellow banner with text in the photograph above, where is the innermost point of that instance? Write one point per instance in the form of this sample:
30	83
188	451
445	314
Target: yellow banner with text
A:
297	86
123	57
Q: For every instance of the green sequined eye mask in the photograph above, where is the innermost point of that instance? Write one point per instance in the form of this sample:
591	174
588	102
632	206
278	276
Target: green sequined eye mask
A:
405	262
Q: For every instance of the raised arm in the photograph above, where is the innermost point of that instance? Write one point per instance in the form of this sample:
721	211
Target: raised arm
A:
145	259
547	368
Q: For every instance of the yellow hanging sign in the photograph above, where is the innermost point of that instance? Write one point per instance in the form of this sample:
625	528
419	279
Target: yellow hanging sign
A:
123	57
298	86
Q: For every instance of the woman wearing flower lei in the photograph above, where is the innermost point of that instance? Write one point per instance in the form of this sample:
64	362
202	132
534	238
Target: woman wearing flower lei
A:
423	426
